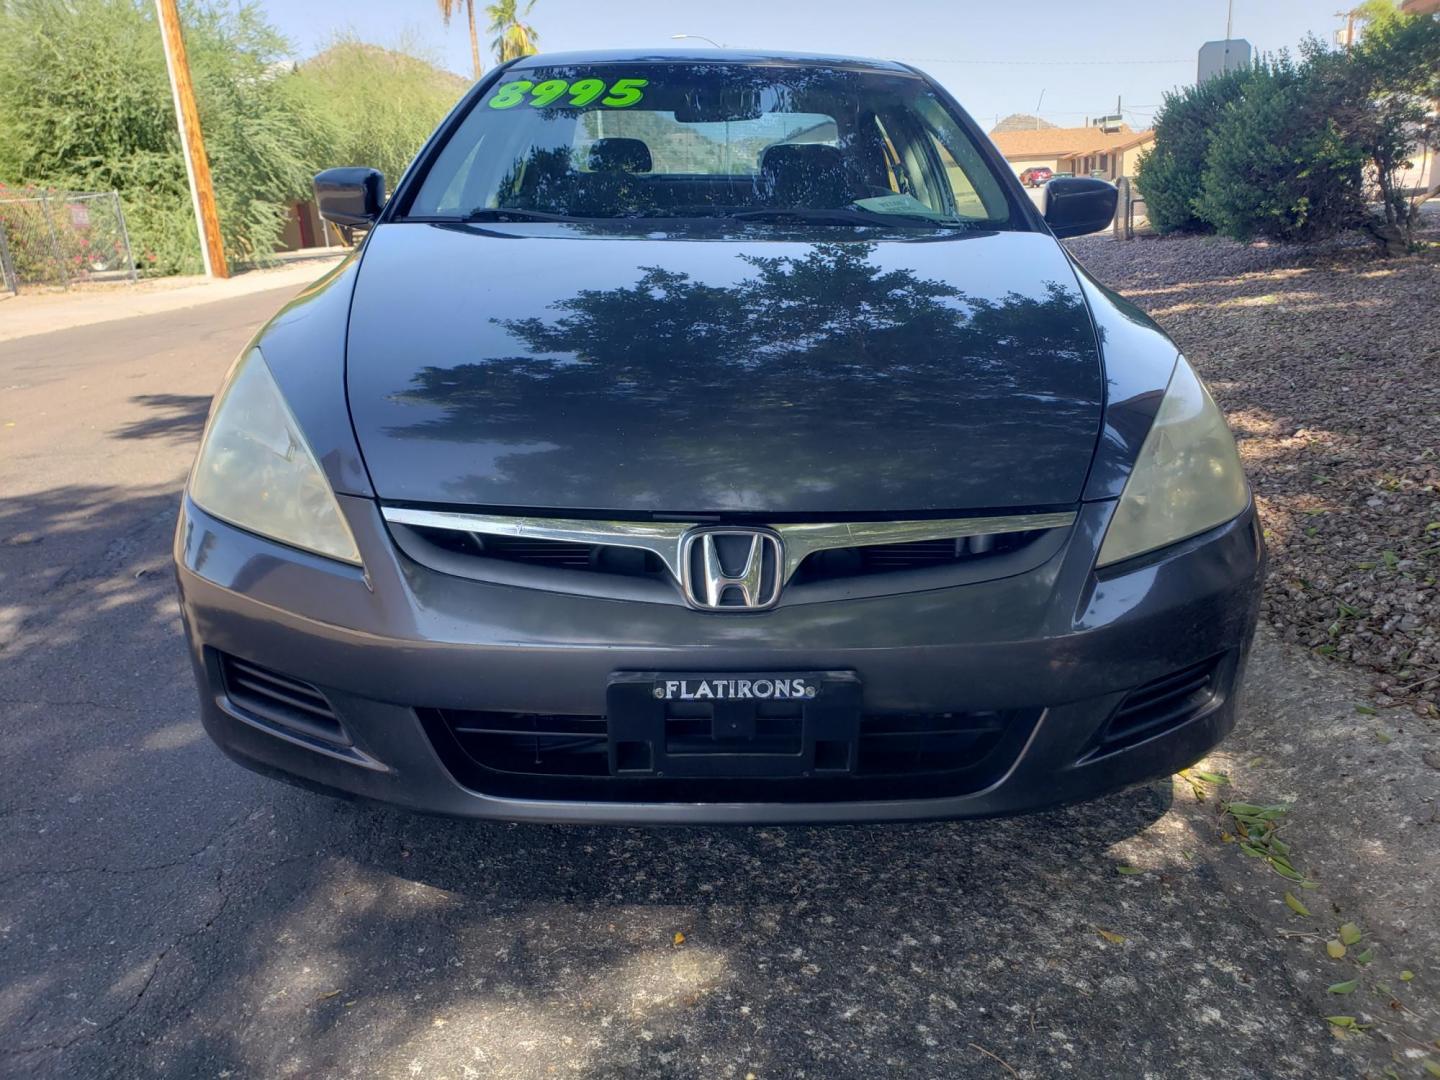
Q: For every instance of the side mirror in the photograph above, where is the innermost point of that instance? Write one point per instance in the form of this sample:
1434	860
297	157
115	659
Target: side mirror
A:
350	197
1076	205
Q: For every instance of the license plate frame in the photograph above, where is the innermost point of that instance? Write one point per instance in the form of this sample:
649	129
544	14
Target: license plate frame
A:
639	705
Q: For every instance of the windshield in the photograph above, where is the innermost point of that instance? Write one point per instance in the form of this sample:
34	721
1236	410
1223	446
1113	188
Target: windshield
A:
707	140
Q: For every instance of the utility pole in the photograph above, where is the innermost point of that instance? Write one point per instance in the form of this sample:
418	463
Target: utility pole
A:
192	143
1229	24
1347	36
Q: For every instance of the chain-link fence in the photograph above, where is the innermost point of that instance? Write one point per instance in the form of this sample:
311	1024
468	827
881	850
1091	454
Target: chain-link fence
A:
8	282
60	238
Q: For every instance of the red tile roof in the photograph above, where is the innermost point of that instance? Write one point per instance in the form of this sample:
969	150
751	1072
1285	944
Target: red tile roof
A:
1067	142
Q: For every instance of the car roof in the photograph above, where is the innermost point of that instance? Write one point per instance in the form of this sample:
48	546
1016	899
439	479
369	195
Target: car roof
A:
756	57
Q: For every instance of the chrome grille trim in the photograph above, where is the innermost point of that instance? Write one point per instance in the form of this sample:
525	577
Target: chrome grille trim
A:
664	538
660	537
804	540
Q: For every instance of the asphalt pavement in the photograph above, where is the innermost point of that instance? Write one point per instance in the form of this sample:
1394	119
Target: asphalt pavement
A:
165	913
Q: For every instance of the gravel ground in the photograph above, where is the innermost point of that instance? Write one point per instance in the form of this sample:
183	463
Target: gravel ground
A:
1327	361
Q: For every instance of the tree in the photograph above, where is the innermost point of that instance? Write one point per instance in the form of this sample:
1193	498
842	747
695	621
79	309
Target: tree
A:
447	10
1171	173
380	104
1381	91
513	38
831	316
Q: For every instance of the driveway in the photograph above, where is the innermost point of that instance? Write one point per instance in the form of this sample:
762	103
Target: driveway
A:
165	913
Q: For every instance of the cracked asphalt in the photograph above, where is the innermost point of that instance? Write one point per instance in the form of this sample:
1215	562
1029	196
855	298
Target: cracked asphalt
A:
165	913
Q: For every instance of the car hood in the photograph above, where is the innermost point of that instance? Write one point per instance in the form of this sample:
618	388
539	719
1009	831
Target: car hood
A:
551	367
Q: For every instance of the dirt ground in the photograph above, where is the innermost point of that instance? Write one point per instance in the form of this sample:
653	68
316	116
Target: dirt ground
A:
1327	361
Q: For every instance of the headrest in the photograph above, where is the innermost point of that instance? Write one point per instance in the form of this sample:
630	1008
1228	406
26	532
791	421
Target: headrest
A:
619	155
805	175
801	157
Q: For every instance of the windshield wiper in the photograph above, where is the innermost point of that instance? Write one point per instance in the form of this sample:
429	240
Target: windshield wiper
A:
845	216
512	213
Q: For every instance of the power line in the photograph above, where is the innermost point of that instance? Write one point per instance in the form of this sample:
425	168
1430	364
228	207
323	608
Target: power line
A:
1036	63
1085	112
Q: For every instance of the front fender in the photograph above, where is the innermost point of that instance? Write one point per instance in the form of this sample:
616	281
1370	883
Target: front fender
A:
304	347
1138	358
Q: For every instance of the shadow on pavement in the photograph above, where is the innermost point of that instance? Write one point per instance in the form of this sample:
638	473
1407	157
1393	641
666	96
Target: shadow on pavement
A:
180	417
533	950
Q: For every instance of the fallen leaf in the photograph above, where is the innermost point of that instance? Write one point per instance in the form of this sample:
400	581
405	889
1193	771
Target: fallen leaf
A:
1211	777
1365	710
1113	938
1128	870
1350	933
679	938
1346	987
1406	975
1365	957
1384	737
1431	1067
1294	904
1341	1021
1336	949
1242	809
1285	870
327	994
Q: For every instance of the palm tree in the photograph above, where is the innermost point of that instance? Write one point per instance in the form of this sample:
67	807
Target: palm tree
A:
513	38
447	9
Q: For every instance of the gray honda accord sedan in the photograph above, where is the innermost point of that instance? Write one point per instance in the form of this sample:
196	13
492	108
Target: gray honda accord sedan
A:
715	437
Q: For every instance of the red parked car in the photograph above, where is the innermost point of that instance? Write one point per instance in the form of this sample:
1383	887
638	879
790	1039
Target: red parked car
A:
1036	176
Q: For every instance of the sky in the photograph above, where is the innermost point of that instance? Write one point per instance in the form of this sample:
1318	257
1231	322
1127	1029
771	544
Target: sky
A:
1073	59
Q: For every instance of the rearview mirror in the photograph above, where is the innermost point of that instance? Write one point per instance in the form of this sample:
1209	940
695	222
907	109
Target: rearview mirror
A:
350	197
1076	205
714	107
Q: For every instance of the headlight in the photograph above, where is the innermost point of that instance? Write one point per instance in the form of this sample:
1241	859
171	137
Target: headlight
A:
1187	478
255	470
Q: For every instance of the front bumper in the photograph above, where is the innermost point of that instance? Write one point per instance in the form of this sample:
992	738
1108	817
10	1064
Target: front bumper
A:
1057	649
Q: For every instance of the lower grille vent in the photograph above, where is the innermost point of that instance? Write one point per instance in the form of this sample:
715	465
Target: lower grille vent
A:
279	700
525	743
1159	705
898	756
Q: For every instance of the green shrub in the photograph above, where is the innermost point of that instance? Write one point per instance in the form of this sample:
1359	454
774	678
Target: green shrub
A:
94	112
1278	165
382	104
1171	174
1301	151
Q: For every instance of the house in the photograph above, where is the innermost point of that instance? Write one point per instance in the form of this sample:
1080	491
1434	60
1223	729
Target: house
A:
1079	150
